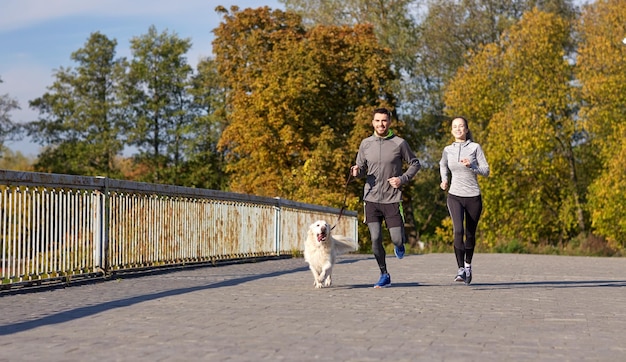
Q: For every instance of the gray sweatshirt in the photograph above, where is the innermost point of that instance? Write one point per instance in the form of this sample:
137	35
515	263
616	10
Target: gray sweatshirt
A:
380	159
464	179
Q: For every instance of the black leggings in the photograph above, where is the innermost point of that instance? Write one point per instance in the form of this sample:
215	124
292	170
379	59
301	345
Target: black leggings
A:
466	209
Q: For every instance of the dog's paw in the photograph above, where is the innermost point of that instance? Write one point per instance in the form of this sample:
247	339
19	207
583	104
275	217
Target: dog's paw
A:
317	284
328	282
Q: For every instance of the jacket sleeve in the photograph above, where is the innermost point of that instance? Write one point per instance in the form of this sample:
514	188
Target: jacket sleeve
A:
412	161
481	166
361	161
443	166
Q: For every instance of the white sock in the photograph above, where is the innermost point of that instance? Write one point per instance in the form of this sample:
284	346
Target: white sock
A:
467	265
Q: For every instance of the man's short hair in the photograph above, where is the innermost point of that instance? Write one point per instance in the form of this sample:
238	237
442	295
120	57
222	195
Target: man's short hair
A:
383	111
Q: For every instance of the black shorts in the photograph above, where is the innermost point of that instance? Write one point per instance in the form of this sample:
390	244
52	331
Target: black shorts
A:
393	214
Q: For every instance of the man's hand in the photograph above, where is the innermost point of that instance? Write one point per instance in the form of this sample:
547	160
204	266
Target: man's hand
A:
395	182
354	170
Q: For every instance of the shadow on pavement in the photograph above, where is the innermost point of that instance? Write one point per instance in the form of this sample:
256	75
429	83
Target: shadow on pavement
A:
551	284
82	312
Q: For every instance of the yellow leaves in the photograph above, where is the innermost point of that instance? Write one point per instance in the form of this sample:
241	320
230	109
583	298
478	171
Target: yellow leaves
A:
602	27
517	91
294	96
602	67
321	177
445	232
535	50
478	89
602	73
608	201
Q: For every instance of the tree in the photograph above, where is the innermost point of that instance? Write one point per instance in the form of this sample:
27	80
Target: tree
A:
518	92
393	21
15	161
204	163
601	65
157	94
396	27
428	41
300	101
7	126
80	119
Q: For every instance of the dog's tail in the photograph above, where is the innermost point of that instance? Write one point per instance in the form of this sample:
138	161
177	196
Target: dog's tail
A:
344	244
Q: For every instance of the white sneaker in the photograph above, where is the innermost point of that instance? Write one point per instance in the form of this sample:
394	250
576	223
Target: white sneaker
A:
468	275
460	275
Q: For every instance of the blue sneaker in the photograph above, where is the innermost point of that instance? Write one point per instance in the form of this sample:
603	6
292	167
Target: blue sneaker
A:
384	281
399	251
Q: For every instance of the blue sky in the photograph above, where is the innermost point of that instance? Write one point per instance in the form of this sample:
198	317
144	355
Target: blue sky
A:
38	36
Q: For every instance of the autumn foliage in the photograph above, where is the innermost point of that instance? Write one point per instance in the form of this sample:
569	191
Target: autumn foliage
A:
280	109
299	102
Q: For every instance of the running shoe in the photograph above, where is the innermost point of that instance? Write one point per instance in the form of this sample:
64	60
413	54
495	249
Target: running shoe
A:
399	251
468	275
460	275
384	281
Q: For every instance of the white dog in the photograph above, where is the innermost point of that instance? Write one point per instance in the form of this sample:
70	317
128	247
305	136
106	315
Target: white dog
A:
321	249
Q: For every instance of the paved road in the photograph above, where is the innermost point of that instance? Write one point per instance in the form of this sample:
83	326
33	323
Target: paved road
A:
519	308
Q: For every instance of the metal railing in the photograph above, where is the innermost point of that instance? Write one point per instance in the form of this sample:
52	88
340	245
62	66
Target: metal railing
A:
56	227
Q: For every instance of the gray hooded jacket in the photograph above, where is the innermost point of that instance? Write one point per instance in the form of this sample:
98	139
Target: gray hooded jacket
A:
464	179
381	158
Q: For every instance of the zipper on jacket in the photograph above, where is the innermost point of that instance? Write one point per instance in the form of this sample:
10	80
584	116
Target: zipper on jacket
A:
380	155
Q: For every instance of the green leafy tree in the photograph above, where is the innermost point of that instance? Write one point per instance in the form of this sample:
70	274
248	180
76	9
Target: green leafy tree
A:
204	165
393	21
15	161
157	94
601	65
7	127
518	95
80	121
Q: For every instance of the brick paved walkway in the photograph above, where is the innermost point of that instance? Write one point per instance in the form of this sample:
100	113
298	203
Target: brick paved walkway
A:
519	308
